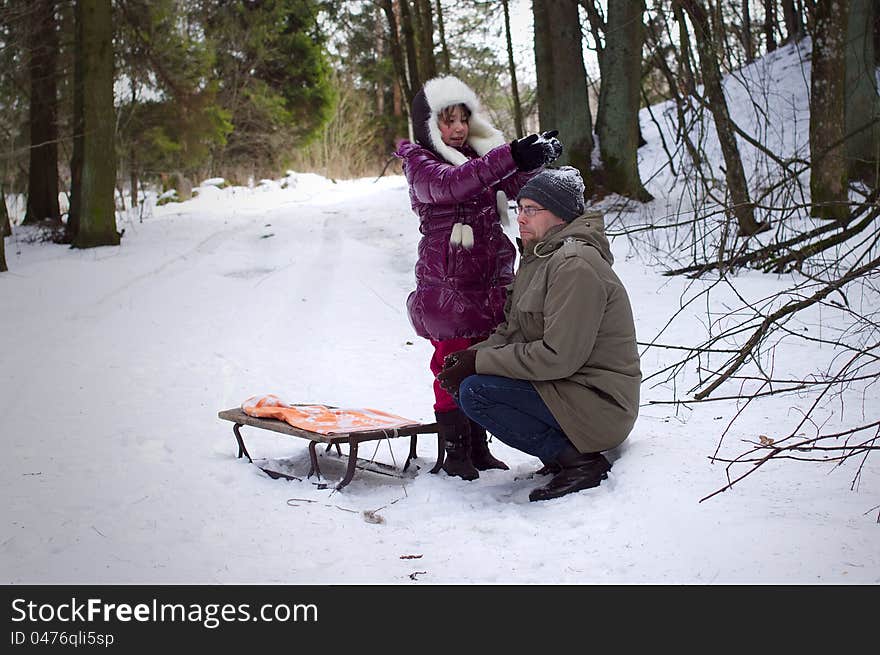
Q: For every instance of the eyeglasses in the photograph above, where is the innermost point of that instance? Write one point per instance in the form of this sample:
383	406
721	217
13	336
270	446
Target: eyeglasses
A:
529	211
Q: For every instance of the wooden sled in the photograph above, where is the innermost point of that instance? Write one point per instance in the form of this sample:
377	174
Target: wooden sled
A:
238	418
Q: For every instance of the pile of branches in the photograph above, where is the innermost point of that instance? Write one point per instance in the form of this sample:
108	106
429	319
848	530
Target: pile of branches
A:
834	267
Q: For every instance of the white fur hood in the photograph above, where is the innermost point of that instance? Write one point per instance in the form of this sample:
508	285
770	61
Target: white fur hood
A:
442	92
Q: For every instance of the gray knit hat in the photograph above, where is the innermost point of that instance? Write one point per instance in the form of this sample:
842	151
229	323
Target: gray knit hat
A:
561	190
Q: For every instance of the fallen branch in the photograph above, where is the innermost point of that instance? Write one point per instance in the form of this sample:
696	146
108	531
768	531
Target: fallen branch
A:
776	451
787	310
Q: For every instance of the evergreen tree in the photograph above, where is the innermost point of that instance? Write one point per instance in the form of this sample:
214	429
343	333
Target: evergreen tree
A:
170	119
363	58
273	74
14	82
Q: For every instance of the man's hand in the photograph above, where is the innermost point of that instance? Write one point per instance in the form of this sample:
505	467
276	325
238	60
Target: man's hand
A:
456	367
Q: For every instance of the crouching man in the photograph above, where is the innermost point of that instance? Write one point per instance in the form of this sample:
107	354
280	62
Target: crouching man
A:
559	378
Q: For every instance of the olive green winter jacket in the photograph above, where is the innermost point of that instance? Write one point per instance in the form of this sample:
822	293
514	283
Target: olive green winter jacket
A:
569	330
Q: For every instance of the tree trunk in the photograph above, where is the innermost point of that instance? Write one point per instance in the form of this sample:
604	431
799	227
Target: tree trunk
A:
427	61
511	65
862	100
563	103
770	24
686	70
737	187
877	32
133	177
794	21
619	131
76	159
5	223
598	28
379	47
397	99
674	88
42	197
97	225
409	42
397	56
828	178
444	50
132	156
748	44
5	229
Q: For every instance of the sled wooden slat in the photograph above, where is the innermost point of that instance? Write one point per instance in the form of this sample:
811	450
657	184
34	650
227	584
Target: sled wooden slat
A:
352	439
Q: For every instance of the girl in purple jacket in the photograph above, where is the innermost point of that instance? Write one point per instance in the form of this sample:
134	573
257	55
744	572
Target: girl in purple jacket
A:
460	172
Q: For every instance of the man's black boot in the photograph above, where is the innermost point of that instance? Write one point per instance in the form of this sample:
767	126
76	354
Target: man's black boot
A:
454	428
577	471
480	455
548	468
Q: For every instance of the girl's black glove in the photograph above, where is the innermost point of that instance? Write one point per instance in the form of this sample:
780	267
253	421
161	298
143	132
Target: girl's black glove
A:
535	150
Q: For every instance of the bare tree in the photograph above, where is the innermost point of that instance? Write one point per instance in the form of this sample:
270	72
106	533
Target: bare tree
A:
686	65
770	24
511	65
681	87
794	20
833	268
737	186
746	29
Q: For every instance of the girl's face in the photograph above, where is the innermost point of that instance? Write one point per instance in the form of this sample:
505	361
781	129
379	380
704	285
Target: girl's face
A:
453	126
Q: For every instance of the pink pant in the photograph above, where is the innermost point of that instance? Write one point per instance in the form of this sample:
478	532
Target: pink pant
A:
443	401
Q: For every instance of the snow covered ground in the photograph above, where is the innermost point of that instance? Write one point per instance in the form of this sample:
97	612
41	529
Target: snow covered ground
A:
115	362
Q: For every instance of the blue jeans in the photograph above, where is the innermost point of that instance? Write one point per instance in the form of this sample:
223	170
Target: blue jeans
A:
513	411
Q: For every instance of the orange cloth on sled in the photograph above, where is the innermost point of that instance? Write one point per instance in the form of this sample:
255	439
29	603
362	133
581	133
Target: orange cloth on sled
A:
322	419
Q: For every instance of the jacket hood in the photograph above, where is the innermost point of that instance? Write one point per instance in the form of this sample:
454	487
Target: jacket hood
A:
442	92
587	228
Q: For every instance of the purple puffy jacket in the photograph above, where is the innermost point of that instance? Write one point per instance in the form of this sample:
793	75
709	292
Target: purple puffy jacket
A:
460	292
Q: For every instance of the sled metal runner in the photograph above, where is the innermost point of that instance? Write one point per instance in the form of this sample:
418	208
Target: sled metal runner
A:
238	418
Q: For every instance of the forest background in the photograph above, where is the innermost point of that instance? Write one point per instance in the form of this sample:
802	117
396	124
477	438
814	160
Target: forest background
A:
102	102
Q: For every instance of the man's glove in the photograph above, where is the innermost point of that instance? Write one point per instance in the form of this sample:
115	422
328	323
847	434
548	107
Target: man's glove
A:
456	367
535	150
